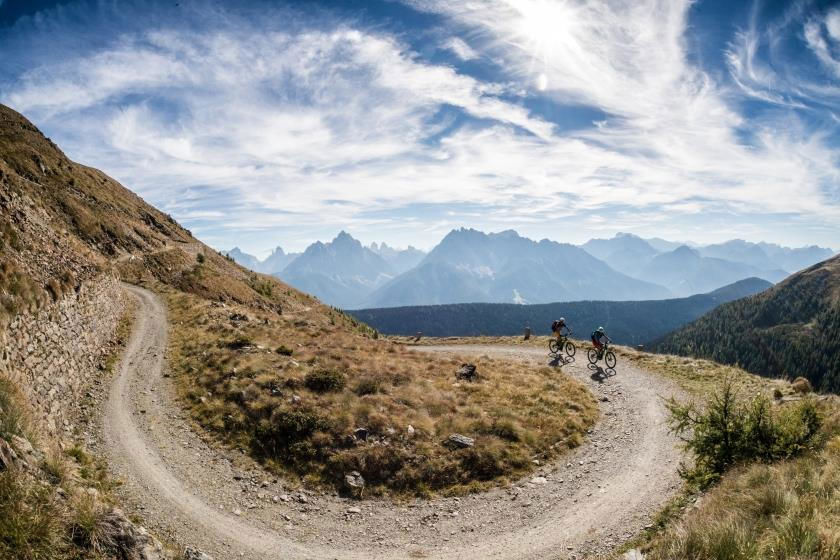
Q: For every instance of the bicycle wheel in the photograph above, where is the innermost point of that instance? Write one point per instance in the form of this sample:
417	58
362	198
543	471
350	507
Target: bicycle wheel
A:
553	346
592	354
609	359
570	349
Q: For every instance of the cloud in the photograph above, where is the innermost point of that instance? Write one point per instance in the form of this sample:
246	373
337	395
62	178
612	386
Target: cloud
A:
259	125
820	44
461	49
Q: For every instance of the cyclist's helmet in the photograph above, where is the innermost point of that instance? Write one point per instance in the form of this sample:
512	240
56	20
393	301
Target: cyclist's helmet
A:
562	319
600	329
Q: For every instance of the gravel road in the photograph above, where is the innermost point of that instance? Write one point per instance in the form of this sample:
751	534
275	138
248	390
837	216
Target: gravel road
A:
218	500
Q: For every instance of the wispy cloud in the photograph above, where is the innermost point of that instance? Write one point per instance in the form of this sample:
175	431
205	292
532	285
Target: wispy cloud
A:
260	124
461	49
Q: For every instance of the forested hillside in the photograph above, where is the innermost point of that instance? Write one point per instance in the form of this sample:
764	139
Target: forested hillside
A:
628	322
790	330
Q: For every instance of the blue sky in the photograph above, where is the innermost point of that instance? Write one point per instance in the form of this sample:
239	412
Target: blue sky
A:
265	123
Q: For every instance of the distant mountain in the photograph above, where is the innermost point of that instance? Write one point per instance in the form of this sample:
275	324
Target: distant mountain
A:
768	256
243	259
663	245
740	251
797	259
627	322
277	261
341	273
400	260
792	329
685	271
625	252
472	266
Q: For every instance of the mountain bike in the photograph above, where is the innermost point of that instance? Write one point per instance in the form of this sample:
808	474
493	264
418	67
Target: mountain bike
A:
556	345
609	357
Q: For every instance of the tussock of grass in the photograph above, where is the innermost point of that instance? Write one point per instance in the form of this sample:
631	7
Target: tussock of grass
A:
309	377
786	510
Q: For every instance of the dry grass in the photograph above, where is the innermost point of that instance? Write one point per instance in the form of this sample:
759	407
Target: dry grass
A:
785	510
291	388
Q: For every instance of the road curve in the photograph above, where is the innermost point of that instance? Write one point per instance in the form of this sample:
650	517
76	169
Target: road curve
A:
585	504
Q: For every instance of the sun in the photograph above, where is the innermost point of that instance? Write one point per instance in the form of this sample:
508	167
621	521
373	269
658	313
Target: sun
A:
545	29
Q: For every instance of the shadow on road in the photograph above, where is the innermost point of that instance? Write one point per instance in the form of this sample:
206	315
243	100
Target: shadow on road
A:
560	361
600	374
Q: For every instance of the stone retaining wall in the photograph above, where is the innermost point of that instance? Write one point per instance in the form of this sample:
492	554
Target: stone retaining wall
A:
53	354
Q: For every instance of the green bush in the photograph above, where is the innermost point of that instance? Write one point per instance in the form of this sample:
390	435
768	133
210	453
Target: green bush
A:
729	430
324	380
369	385
276	435
284	350
241	341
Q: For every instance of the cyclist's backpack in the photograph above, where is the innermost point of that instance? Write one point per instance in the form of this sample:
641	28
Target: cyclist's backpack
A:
554	325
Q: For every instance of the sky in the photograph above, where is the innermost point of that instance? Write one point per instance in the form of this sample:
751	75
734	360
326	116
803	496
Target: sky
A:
263	123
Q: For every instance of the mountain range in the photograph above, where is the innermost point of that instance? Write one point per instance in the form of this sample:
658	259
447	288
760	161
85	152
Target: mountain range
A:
342	272
469	266
627	322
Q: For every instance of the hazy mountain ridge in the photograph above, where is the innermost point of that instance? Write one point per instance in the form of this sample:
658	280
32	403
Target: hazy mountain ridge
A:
342	272
472	266
687	269
632	322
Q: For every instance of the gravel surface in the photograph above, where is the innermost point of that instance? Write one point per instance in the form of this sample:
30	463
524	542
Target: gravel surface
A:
198	494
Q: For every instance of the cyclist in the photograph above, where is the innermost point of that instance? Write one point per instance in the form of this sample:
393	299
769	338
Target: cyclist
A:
598	337
558	326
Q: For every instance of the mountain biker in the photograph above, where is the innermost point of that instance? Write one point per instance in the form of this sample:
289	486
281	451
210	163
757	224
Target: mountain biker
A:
558	326
597	339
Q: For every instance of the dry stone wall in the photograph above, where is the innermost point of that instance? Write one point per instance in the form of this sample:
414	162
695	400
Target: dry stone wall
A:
54	354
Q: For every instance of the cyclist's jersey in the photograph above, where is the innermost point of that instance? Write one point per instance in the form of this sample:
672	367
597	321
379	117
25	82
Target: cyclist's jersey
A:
598	335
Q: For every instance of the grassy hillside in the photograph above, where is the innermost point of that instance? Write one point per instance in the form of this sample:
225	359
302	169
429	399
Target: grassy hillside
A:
790	330
783	509
265	367
628	322
61	222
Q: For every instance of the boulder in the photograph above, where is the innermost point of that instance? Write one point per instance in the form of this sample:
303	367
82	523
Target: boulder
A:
458	441
191	553
467	372
355	483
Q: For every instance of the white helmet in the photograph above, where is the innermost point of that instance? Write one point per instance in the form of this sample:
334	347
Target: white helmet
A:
562	319
600	329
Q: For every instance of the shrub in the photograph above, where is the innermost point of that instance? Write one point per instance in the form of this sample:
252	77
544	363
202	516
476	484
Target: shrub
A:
284	350
324	380
369	385
285	428
729	430
200	258
241	341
